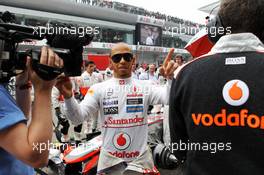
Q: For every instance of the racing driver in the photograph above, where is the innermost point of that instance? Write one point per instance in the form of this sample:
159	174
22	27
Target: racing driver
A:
122	103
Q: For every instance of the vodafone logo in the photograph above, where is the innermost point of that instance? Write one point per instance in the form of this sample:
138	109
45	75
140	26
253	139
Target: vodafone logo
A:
122	82
236	92
121	141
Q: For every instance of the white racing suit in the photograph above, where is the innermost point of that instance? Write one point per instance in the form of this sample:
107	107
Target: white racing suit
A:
122	104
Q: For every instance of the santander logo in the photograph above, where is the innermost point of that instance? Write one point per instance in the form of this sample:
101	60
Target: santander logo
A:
121	141
236	92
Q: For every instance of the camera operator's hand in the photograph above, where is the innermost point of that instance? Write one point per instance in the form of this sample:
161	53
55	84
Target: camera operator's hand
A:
65	86
49	58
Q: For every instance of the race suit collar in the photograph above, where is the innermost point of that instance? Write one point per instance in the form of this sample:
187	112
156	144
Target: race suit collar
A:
242	42
123	81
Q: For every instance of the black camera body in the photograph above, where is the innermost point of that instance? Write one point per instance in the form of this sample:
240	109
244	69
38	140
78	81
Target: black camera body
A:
67	46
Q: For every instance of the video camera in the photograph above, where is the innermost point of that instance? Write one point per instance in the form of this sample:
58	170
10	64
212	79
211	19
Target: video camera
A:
67	44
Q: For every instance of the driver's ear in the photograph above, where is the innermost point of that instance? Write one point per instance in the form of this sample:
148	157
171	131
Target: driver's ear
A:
134	60
111	67
110	63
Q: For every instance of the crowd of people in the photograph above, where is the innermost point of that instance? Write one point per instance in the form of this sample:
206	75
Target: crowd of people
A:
137	10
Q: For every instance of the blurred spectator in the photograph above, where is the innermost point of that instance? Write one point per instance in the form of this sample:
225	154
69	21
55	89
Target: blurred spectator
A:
140	69
90	77
108	74
150	74
135	74
179	59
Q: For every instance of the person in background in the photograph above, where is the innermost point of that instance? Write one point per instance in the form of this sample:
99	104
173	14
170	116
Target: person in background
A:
76	82
150	74
108	74
89	78
134	71
141	69
58	106
179	59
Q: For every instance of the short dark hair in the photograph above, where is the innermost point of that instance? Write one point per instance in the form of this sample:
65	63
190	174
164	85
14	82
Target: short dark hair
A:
87	63
243	16
179	56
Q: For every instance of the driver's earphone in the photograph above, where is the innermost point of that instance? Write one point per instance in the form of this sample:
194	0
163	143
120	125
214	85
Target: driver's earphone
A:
213	28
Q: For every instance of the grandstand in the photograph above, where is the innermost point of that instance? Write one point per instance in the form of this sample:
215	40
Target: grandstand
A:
135	10
115	21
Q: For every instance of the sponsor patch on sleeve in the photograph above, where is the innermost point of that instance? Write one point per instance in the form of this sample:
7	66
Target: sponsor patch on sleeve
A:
90	92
